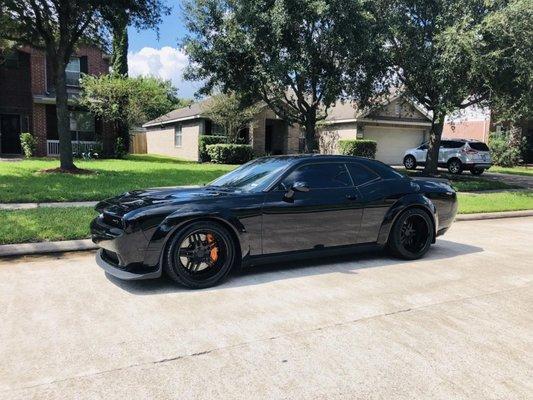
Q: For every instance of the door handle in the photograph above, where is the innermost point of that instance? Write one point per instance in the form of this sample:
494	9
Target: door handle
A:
351	196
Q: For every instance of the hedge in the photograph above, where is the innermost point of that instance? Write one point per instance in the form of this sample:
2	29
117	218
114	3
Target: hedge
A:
230	153
361	148
206	140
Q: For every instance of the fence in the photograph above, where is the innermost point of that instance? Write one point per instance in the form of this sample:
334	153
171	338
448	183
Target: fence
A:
52	147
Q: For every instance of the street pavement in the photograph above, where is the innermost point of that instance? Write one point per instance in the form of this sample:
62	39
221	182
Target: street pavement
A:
457	324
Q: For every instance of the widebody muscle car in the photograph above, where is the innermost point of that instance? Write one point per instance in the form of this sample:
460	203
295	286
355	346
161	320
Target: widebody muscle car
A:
270	208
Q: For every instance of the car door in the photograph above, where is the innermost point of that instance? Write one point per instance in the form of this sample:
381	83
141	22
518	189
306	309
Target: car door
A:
421	153
327	215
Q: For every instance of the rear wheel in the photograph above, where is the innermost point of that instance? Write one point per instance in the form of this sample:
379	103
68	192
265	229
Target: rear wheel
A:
200	255
409	162
411	234
455	166
477	171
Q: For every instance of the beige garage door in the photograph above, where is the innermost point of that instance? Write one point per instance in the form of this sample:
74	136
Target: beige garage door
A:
392	142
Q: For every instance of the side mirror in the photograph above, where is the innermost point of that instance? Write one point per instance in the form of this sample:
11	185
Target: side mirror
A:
296	187
300	187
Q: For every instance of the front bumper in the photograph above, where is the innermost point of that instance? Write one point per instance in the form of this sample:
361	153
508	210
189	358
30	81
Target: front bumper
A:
121	273
122	253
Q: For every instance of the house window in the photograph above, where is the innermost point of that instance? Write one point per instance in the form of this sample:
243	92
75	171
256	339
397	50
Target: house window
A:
82	127
177	135
11	59
73	70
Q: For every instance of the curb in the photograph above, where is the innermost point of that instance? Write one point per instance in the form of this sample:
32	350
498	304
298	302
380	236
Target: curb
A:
494	215
25	249
30	206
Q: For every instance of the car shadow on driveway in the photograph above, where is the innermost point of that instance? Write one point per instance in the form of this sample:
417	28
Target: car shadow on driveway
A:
257	275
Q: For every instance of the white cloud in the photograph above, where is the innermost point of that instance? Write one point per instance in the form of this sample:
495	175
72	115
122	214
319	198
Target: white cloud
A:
166	63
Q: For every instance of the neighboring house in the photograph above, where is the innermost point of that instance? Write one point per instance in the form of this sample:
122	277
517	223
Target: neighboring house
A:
476	130
27	101
395	126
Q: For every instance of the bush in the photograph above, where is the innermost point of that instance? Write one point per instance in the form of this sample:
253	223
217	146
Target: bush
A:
206	140
361	148
505	152
120	148
230	153
28	142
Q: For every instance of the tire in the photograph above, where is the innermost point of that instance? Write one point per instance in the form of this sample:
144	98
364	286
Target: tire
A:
477	171
398	244
193	240
409	162
455	166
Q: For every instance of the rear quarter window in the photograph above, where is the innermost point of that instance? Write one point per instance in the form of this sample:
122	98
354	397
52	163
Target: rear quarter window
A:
479	146
361	175
383	170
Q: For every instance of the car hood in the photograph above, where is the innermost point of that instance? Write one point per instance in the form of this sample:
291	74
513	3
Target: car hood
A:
136	199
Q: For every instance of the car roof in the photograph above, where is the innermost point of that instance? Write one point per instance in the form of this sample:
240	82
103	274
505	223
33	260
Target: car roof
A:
317	157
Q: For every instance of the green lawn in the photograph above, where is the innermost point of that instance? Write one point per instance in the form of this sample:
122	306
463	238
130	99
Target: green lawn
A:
513	171
43	224
73	223
21	181
492	202
466	182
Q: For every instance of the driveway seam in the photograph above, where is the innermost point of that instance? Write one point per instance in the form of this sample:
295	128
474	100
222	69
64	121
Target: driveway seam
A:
289	334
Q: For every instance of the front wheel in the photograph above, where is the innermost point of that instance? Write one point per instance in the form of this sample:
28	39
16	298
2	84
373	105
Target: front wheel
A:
411	234
477	171
409	162
200	255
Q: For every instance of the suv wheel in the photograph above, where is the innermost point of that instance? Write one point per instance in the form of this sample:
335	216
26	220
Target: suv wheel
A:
409	162
477	171
455	166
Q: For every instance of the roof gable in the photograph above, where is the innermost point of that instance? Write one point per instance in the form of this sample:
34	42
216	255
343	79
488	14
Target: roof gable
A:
399	108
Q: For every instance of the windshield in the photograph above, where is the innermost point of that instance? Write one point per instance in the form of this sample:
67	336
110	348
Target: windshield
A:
254	175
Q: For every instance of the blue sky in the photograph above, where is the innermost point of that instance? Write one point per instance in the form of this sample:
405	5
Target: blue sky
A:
162	57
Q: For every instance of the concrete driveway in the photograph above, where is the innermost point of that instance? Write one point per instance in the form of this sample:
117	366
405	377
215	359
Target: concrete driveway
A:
457	324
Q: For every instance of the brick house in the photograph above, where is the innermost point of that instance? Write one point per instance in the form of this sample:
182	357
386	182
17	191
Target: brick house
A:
27	102
396	126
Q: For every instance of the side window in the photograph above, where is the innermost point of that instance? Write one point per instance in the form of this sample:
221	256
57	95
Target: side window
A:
360	174
177	135
444	144
423	147
319	176
456	145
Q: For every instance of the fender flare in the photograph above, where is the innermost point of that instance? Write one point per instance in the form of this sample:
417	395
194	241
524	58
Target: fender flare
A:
415	200
175	221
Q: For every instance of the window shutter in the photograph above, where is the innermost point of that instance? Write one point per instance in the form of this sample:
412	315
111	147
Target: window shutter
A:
84	65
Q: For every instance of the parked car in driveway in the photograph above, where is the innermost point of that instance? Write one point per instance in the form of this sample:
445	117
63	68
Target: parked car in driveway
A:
267	209
455	155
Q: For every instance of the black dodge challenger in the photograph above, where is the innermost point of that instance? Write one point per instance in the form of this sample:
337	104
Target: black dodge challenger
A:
268	208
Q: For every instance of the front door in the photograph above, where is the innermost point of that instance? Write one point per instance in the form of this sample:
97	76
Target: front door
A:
10	134
328	215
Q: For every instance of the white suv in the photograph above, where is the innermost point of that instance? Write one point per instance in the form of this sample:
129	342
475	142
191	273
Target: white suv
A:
456	155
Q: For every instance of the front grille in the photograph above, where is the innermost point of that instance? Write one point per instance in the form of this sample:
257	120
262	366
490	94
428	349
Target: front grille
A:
111	257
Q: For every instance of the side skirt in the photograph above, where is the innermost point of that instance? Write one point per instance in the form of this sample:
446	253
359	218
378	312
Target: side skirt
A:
306	254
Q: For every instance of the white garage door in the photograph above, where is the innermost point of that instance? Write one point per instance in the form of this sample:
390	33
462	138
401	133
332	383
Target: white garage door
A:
392	142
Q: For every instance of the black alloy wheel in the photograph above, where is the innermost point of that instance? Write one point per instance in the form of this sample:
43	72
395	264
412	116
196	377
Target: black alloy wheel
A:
409	162
200	255
411	235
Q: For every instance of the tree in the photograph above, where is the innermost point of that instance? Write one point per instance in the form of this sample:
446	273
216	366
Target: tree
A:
229	112
426	50
127	101
57	26
297	56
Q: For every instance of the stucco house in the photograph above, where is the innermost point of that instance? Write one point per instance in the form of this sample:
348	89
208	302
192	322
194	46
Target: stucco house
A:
396	126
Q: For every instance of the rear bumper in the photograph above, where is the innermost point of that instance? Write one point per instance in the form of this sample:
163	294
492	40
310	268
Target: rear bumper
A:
479	165
122	273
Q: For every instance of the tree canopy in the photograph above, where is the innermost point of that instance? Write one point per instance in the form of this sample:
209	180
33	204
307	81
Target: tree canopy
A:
129	101
298	56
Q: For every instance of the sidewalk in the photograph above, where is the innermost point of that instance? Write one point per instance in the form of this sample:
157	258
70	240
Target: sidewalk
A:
29	206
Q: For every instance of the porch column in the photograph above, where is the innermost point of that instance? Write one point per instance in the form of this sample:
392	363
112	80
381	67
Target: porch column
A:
39	128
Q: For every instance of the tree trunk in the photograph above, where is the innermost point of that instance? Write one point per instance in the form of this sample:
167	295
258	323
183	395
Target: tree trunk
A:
311	143
63	119
119	60
432	158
